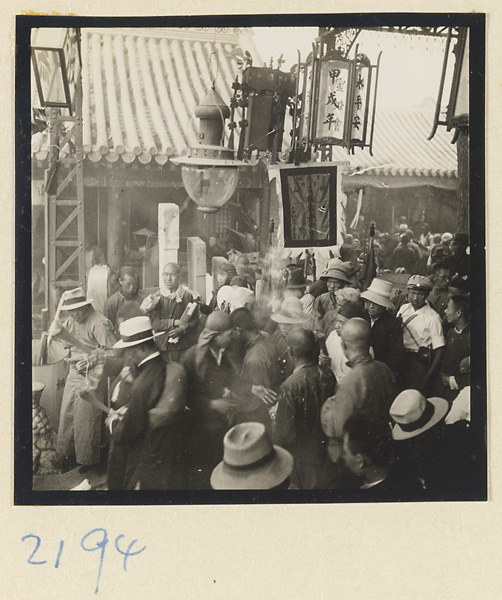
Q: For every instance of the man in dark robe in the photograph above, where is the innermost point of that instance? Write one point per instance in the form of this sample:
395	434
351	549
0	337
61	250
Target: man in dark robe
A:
150	420
369	387
297	423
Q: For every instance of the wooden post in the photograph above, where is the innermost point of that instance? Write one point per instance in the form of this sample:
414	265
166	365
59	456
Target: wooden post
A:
169	238
197	266
463	180
115	229
265	218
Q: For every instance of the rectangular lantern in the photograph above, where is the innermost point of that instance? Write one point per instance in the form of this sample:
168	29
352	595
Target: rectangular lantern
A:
267	91
332	102
55	54
338	99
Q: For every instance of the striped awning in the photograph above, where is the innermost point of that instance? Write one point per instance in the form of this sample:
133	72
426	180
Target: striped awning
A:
401	147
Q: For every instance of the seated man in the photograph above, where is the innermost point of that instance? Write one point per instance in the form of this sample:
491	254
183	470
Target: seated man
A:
165	313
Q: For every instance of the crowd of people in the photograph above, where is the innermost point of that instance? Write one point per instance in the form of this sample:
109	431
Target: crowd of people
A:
300	384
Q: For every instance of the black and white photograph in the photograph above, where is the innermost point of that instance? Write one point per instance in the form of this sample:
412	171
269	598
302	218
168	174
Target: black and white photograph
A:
253	254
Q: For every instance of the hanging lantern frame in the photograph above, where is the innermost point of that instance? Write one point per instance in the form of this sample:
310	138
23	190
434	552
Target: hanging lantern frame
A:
322	107
57	64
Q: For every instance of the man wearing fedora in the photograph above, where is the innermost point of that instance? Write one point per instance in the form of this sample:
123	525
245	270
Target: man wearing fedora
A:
151	424
423	338
297	422
386	332
79	431
251	461
290	316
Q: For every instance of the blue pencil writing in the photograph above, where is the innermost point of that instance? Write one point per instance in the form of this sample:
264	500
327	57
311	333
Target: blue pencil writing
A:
56	564
100	545
30	561
128	552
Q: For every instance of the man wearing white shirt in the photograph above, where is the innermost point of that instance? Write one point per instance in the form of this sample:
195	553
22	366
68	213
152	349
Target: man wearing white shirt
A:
423	338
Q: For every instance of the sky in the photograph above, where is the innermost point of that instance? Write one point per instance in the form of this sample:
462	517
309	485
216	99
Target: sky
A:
410	65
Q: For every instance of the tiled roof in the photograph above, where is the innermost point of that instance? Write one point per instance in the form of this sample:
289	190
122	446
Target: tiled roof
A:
140	88
401	148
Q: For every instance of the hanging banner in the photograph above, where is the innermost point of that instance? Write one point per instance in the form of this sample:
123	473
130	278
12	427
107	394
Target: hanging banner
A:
309	197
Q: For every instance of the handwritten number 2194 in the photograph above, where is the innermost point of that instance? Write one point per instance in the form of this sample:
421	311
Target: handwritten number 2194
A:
97	539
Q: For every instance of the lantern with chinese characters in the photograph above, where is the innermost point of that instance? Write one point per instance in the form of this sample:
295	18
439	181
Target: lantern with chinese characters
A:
55	54
210	172
338	99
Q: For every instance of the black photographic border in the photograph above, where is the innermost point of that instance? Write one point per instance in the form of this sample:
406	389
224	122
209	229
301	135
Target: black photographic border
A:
23	492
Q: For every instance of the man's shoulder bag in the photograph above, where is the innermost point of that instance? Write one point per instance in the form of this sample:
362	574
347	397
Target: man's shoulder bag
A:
424	354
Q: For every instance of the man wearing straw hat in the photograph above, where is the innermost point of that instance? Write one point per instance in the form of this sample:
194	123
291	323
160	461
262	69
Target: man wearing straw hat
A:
336	278
150	423
80	422
386	332
422	445
251	461
290	316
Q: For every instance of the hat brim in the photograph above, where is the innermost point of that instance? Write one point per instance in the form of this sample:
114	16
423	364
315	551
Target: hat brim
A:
278	318
440	409
338	275
122	344
298	286
77	304
262	478
377	299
